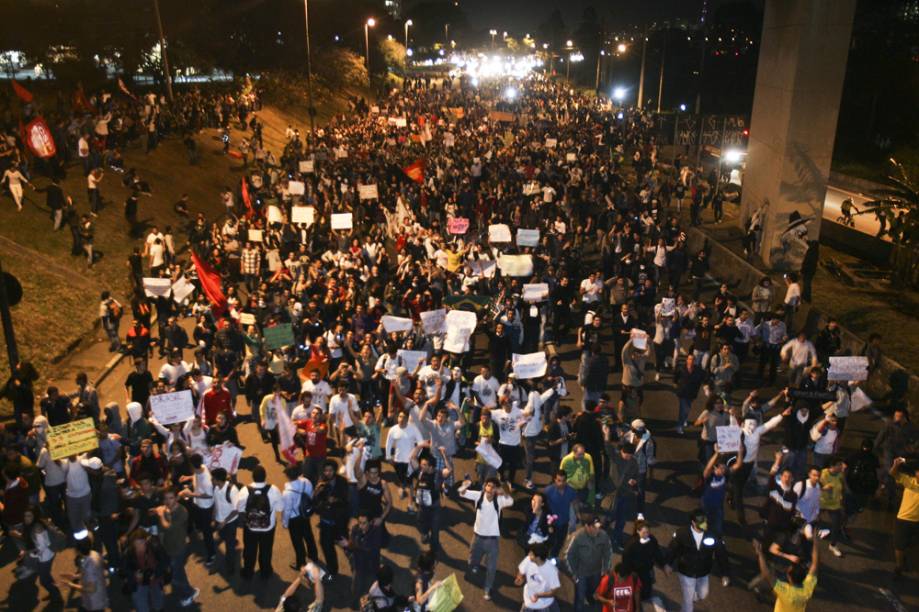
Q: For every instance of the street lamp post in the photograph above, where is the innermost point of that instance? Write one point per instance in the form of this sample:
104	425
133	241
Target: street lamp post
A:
641	76
493	34
407	24
309	71
600	57
660	84
163	52
446	35
369	24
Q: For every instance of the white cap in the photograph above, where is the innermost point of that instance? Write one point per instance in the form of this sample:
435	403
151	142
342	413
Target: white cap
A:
93	463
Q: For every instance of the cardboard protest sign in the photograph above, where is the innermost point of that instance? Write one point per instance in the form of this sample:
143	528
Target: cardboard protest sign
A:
728	438
225	456
458	225
460	325
516	265
303	214
483	267
72	438
489	454
499	232
527	237
342	221
255	235
848	368
296	187
529	365
368	192
434	321
551	143
279	336
247	318
639	338
531	188
570	157
181	289
446	597
274	214
169	408
536	292
501	116
411	359
157	287
307	166
396	324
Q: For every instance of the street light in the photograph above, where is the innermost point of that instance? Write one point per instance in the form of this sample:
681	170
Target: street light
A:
572	59
493	34
446	34
621	48
408	23
370	23
619	94
309	71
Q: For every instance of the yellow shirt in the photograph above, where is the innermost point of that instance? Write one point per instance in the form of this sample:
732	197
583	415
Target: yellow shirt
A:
832	488
454	260
790	598
909	507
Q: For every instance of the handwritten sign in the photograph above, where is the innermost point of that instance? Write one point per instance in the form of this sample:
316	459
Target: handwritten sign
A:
157	287
527	237
489	454
728	438
296	187
396	324
411	359
516	265
529	365
460	326
368	192
72	438
570	157
499	232
307	166
551	143
342	221
279	336
224	456
848	368
458	225
169	408
303	214
434	321
535	292
639	338
531	188
247	318
484	268
254	235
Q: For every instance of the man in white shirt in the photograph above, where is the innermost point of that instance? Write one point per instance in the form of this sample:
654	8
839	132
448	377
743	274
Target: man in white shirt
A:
539	579
78	492
258	504
592	289
486	530
800	354
226	514
400	441
173	369
433	377
485	388
533	413
509	419
344	411
202	507
319	389
792	299
297	525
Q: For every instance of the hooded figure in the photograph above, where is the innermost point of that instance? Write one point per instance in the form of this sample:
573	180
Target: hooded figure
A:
138	428
113	418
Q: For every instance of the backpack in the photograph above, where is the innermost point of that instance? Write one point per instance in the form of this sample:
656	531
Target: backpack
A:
258	508
305	504
56	537
230	489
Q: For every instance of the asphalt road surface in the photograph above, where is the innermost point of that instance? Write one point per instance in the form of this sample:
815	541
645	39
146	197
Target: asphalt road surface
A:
862	580
832	209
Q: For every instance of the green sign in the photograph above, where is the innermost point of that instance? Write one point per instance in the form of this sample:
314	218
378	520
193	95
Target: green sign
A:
473	303
279	336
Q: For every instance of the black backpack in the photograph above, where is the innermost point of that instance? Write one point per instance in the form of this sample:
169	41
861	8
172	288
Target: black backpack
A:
258	508
305	505
494	500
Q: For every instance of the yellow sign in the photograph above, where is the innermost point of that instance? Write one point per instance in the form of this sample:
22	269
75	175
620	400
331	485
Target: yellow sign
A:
447	597
72	439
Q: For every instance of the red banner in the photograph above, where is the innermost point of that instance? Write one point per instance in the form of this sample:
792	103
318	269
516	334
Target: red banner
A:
415	171
22	92
247	200
38	137
210	284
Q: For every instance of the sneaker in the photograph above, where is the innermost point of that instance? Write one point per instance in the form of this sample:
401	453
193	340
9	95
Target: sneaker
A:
836	552
679	430
640	517
823	533
475	570
487	595
529	485
598	496
191	599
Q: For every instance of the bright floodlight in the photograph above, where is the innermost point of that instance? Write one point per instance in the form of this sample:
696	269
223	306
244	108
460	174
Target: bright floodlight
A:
493	32
619	93
569	43
510	93
409	52
620	116
475	82
389	37
683	107
732	156
576	57
621	48
409	22
371	22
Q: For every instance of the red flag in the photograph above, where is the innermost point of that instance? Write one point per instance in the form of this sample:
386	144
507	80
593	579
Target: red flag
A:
22	92
415	171
244	190
211	284
124	89
38	137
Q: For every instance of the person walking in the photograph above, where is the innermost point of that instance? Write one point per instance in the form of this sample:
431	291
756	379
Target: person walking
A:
89	579
202	506
688	379
173	524
330	501
693	551
258	503
539	580
486	530
298	509
226	515
35	539
589	556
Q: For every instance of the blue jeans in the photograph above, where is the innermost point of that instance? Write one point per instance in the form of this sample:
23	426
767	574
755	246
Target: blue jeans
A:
180	586
685	408
584	589
714	514
621	513
147	597
796	461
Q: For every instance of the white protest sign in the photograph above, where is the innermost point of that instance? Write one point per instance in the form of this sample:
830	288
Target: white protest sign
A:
639	338
527	237
341	153
531	188
728	438
307	166
255	235
434	321
570	157
461	318
499	233
551	143
483	267
516	265
368	192
181	289
535	292
860	400
247	318
225	456
296	187
157	287
460	325
848	368
529	365
489	454
303	214
169	408
411	359
341	221
396	324
375	109
274	214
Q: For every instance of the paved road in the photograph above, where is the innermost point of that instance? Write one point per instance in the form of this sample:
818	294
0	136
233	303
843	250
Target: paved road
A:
832	209
851	583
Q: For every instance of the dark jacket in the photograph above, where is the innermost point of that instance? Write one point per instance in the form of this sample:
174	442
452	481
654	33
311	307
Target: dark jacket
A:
688	383
697	562
796	434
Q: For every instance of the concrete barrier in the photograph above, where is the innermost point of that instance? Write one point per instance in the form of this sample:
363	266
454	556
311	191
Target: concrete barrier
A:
741	276
850	240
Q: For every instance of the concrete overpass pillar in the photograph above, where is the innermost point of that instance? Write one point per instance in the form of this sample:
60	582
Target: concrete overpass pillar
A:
802	65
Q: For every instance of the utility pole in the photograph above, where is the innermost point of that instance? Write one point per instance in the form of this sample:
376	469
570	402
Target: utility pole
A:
11	351
641	77
309	72
159	25
660	84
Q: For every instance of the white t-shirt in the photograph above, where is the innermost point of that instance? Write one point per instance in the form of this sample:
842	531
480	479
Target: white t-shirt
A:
205	486
428	376
388	363
157	253
77	479
340	408
172	373
508	426
539	579
321	392
535	401
593	290
274	498
400	442
487	390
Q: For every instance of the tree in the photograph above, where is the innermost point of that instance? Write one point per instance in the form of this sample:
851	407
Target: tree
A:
898	207
552	30
393	53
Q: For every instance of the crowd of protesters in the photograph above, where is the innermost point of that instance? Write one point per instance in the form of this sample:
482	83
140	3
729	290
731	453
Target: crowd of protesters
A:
345	400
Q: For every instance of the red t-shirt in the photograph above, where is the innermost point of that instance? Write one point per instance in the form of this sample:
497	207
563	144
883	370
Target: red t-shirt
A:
214	402
622	591
316	438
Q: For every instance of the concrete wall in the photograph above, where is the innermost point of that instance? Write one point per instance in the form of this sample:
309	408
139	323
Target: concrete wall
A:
741	277
849	240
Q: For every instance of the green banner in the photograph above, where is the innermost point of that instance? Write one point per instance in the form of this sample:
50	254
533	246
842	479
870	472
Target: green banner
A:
279	336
